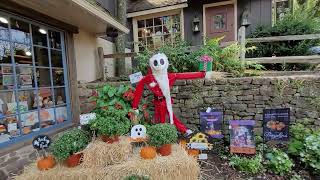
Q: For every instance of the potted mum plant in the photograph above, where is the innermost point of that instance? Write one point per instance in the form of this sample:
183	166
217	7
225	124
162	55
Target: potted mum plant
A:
66	147
162	136
109	125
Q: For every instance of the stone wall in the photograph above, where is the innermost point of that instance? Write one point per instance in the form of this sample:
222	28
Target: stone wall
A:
239	98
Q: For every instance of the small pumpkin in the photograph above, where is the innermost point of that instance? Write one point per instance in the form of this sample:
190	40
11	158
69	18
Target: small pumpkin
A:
46	163
148	152
165	150
193	152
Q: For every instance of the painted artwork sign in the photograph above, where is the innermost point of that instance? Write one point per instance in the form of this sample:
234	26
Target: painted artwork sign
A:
211	123
276	124
242	137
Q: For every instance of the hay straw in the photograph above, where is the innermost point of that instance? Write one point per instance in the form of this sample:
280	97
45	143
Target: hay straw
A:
177	166
108	153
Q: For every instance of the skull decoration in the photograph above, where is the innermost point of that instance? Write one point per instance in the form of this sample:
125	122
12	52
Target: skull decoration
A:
159	63
138	131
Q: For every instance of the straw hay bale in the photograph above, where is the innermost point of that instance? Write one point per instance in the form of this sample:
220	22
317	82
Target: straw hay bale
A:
177	166
99	153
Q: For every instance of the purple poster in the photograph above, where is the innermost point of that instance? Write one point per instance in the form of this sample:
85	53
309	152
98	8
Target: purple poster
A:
276	124
211	123
242	137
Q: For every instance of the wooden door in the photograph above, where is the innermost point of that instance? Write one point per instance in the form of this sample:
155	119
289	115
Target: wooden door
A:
220	22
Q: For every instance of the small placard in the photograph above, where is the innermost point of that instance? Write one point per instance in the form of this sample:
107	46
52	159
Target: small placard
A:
203	156
199	146
41	142
86	118
12	127
136	77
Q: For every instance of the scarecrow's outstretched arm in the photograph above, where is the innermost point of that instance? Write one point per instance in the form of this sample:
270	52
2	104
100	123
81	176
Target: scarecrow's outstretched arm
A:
190	75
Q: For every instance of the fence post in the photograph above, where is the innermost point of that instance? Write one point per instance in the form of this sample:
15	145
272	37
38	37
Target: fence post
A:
101	68
242	41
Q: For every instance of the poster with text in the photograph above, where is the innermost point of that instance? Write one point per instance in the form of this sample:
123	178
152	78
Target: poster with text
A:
211	123
242	137
276	124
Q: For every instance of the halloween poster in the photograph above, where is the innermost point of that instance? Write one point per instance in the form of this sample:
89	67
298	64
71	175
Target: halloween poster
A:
276	124
211	123
242	137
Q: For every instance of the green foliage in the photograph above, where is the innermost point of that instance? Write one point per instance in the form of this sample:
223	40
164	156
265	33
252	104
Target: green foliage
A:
298	134
110	123
69	143
311	153
161	134
178	54
279	162
247	165
136	177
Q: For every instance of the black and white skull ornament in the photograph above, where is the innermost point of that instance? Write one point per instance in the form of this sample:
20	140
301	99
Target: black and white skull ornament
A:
138	131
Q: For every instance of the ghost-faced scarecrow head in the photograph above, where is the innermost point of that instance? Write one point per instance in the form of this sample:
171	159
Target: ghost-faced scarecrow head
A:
159	63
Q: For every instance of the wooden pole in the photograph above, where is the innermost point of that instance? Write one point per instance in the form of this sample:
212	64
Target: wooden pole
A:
242	40
120	40
101	66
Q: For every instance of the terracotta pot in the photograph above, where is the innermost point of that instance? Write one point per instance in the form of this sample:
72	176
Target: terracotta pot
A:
110	140
165	150
73	160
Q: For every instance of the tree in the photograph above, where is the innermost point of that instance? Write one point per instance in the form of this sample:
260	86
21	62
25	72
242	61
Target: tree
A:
121	39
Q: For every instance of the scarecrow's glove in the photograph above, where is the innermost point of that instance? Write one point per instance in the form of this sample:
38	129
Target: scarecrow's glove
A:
213	75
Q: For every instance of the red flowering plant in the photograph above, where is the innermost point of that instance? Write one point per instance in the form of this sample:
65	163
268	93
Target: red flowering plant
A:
111	98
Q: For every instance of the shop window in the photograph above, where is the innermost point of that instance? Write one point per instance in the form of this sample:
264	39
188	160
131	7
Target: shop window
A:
33	87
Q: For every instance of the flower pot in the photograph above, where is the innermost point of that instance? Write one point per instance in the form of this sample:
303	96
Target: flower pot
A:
73	160
165	150
110	140
148	152
46	163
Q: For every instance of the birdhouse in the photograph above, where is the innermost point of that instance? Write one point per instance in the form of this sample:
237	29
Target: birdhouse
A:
196	24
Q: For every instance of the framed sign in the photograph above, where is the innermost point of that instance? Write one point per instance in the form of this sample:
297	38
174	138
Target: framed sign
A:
211	123
276	124
136	77
242	137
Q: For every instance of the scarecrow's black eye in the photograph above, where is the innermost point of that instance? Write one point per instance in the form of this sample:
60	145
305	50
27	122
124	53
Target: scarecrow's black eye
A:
161	61
155	63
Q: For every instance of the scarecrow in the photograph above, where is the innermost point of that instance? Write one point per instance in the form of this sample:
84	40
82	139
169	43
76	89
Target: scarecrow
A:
159	82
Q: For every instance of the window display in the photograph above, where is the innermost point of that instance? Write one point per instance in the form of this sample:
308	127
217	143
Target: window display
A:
32	78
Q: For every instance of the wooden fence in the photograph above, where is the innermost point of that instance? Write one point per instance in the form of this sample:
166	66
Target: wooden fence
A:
314	59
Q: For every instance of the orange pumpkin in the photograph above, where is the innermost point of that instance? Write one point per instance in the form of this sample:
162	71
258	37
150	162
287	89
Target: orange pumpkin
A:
148	152
193	152
46	163
165	150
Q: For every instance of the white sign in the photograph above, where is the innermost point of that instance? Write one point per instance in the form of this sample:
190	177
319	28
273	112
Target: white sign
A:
86	118
200	146
12	127
136	77
203	156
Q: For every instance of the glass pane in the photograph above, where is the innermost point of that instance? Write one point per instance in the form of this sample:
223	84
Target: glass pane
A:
55	40
7	103
60	96
43	77
28	99
22	54
167	20
219	21
47	117
158	30
149	32
167	29
158	21
176	19
157	41
41	56
4	32
25	77
176	28
9	128
7	80
61	114
142	41
6	74
5	56
149	42
56	58
149	22
20	31
58	77
30	122
45	99
141	24
140	32
39	36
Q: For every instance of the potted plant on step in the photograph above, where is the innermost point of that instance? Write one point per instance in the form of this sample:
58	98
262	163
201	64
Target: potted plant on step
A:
162	136
109	125
67	146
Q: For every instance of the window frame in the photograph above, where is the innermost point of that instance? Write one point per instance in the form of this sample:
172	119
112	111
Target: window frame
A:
135	20
36	89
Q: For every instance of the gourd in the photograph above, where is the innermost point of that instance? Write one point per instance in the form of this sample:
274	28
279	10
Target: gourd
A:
46	163
148	152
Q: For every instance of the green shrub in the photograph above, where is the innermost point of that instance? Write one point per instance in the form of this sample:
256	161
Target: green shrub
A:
136	177
279	162
247	165
311	153
111	123
69	143
298	133
161	134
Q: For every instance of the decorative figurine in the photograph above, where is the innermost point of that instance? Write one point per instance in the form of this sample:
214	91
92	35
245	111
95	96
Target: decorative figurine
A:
59	100
40	104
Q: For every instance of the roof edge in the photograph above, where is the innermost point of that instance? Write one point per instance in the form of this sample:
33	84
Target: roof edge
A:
156	10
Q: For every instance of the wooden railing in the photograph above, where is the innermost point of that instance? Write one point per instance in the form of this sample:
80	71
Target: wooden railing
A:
314	59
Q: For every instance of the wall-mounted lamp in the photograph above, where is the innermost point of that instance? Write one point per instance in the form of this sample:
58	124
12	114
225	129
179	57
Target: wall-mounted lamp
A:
42	31
196	24
4	20
245	18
